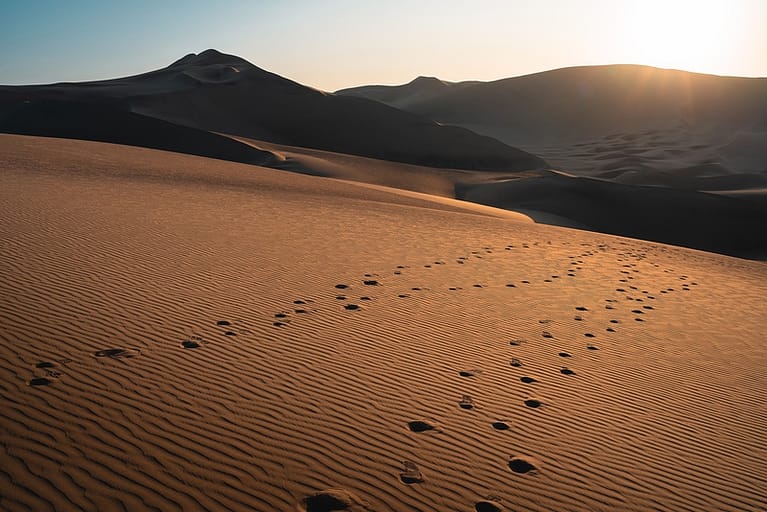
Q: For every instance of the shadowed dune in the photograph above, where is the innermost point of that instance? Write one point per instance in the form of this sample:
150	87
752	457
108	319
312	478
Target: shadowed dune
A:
696	133
107	122
618	118
625	125
224	93
585	103
682	217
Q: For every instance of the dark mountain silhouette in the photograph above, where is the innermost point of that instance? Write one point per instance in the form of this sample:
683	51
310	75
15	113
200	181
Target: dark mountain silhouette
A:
222	93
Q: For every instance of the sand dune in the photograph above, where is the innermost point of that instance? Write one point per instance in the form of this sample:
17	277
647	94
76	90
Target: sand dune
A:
624	125
727	225
682	217
596	119
676	130
182	333
584	103
106	122
224	93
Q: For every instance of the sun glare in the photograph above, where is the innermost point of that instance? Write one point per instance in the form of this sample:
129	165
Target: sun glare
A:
683	34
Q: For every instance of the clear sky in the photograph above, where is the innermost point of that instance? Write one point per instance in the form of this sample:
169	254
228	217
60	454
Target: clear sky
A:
330	44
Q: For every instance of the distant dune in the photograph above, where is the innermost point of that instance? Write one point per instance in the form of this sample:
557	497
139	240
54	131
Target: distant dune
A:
223	93
583	103
107	122
622	124
673	157
181	333
603	121
682	217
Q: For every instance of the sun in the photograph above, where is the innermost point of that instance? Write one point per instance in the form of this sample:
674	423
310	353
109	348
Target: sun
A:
682	34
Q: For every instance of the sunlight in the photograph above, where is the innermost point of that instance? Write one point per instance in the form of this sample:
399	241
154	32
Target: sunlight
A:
682	34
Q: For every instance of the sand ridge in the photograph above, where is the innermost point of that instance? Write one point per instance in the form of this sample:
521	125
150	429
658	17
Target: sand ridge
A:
198	351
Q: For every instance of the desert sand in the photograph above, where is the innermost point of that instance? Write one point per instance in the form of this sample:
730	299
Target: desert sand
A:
184	333
615	125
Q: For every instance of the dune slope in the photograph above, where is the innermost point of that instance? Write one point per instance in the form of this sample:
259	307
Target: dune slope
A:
224	93
681	217
181	333
648	124
582	103
107	122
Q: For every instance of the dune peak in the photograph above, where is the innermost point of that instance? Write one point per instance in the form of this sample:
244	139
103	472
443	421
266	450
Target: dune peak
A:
428	81
209	57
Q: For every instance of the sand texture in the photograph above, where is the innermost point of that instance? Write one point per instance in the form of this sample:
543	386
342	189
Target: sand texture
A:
184	333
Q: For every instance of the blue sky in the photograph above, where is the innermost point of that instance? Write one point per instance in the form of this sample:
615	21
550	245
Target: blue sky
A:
331	44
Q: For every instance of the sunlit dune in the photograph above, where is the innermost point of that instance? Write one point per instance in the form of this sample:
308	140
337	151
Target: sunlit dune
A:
185	333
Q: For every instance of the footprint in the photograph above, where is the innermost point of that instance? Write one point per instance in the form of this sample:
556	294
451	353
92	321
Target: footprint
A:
39	381
332	499
527	380
564	354
44	364
192	343
468	373
370	282
351	307
522	465
591	347
500	425
420	426
118	353
532	403
516	363
488	506
516	343
223	322
230	333
466	403
567	371
547	334
411	473
342	286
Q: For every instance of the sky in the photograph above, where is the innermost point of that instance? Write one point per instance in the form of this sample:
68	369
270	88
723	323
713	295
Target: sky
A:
332	44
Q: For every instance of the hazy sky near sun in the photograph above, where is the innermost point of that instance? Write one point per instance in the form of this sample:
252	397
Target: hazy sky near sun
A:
330	44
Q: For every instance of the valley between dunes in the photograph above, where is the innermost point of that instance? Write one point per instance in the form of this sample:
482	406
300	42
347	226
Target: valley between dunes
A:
184	333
